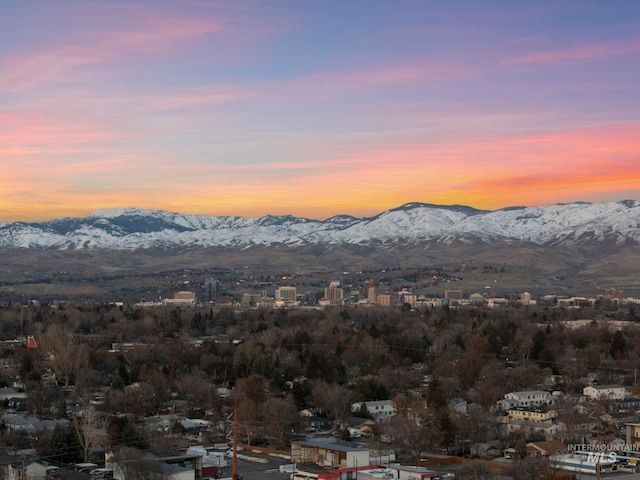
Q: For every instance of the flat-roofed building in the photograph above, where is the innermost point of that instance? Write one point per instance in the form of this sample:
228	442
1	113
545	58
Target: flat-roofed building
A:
328	455
182	298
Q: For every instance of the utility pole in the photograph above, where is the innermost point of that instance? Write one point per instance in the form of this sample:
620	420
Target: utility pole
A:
598	440
234	465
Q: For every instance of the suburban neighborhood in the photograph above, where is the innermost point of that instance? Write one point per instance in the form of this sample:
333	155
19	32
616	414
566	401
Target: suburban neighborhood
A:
191	391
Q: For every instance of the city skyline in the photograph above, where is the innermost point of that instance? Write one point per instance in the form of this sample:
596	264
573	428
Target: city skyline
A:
315	108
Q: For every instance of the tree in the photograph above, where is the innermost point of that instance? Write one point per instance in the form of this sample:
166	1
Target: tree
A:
122	432
196	391
281	417
132	464
247	395
520	440
42	395
66	354
476	471
89	430
436	397
411	436
618	345
532	469
62	446
334	400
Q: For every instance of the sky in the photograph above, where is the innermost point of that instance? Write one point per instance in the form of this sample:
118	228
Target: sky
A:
315	108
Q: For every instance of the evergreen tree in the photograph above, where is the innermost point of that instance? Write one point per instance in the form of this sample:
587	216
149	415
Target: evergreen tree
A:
63	446
122	432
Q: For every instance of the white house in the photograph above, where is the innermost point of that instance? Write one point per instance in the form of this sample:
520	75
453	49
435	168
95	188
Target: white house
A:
605	392
379	410
526	398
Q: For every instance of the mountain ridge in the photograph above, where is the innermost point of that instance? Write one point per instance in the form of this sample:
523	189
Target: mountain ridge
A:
576	223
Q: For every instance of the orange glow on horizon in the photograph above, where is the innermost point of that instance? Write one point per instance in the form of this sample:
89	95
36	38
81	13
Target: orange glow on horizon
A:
227	108
561	167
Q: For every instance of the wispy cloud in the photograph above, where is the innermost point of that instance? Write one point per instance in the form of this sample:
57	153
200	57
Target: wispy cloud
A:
406	74
189	98
580	52
76	61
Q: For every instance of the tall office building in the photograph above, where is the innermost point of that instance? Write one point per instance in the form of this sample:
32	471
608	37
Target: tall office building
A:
334	295
286	294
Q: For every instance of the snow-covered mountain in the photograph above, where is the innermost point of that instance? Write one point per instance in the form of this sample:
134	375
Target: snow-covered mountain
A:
132	228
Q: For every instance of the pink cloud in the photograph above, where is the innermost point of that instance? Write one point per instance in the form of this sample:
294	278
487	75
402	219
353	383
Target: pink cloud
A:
584	52
396	75
414	74
30	129
69	62
158	34
191	98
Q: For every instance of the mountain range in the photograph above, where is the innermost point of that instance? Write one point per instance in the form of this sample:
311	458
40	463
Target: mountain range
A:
135	254
571	224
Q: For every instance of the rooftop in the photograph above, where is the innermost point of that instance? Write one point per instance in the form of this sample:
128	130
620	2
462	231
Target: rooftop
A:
338	447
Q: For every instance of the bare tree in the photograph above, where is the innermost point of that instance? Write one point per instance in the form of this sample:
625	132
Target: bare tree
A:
411	436
281	416
333	399
532	469
66	354
476	471
132	464
42	395
247	395
196	390
89	428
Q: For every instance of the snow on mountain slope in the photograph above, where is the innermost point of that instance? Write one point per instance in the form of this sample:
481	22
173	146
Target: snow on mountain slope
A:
132	228
559	224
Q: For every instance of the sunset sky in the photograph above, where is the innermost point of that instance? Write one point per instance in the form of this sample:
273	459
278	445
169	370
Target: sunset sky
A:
315	108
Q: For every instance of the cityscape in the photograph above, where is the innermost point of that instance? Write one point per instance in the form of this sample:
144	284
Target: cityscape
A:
319	240
385	384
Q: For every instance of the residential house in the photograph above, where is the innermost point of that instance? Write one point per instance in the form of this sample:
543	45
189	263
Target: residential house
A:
9	393
575	426
379	410
628	405
527	398
485	450
364	426
310	412
605	392
16	468
531	419
633	433
548	448
30	425
317	424
540	449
